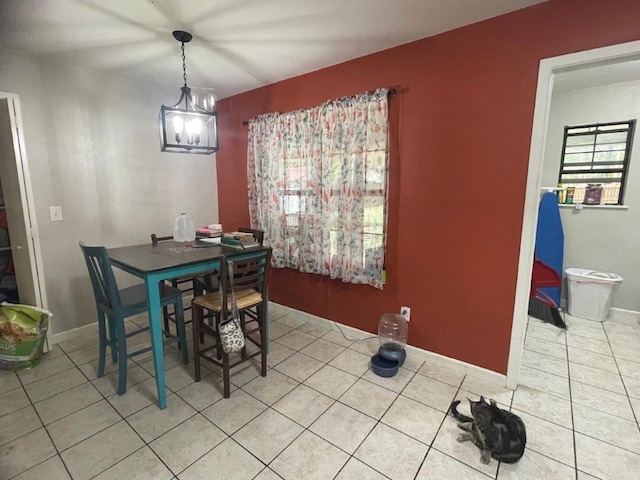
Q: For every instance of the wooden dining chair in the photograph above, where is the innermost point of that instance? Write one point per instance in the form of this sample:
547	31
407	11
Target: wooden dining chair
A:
250	281
210	283
185	283
113	305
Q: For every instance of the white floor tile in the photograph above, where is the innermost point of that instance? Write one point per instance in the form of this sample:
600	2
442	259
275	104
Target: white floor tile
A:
303	405
331	381
444	374
103	450
299	366
151	422
267	435
369	398
349	408
271	388
52	469
186	443
597	378
536	467
414	419
600	399
430	392
546	438
542	405
231	414
607	428
18	423
438	466
54	384
321	459
351	362
48	366
605	461
82	424
227	460
392	453
140	465
356	470
343	426
204	393
322	350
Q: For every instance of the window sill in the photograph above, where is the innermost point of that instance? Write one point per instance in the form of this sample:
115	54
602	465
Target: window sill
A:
581	206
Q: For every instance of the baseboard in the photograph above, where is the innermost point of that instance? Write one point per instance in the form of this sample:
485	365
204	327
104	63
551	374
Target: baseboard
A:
276	310
73	333
620	315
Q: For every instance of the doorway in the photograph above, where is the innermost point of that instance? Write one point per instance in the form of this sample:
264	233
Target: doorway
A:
548	69
21	246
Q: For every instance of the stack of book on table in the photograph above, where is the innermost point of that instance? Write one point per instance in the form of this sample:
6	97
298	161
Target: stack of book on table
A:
210	231
240	240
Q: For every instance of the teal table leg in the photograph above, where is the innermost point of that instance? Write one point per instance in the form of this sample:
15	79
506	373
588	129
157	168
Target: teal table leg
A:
155	324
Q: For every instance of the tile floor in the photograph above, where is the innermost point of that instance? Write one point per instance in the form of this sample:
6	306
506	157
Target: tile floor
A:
322	414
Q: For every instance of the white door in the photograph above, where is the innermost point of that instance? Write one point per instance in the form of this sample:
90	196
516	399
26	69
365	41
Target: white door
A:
18	201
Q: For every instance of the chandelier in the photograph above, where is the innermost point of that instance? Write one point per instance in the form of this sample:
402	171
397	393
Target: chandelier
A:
189	126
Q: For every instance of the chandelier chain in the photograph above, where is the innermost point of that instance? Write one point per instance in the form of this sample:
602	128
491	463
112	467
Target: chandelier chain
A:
184	66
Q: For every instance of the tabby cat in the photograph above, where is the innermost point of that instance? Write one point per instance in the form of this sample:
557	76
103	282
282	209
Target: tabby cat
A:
498	433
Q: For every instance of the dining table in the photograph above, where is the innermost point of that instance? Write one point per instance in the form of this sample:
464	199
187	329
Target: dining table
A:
163	261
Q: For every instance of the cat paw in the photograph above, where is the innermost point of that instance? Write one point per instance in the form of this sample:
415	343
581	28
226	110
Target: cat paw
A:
485	459
462	438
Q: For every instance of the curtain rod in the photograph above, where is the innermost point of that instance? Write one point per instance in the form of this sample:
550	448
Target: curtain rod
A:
390	93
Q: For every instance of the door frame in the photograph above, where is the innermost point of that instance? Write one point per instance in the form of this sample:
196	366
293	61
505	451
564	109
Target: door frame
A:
548	68
28	204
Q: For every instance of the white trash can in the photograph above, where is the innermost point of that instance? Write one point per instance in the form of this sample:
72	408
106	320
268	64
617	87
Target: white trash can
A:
590	292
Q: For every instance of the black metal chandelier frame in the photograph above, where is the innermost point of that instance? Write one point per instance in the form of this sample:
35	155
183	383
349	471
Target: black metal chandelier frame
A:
186	127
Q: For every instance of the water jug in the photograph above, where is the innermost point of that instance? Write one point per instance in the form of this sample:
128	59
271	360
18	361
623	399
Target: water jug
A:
393	331
184	230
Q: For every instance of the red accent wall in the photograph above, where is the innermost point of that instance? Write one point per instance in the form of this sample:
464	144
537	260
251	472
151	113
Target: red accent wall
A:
461	131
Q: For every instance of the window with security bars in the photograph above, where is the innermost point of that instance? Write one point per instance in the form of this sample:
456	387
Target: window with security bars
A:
597	154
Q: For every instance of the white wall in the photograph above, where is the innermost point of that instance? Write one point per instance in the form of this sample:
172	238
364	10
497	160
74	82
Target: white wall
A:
598	238
92	147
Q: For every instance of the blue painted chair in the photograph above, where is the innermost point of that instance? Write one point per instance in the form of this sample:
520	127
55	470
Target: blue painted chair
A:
115	305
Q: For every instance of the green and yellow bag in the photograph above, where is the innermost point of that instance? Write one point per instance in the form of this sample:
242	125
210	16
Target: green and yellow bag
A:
23	331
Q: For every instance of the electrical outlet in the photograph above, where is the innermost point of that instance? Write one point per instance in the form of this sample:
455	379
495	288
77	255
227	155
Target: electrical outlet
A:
406	313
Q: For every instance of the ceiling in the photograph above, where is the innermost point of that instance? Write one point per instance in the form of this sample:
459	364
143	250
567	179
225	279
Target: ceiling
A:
597	74
238	45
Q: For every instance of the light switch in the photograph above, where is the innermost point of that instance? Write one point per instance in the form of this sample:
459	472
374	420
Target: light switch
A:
55	213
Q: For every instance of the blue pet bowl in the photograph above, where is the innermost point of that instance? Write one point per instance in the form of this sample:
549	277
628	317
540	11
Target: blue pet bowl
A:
397	355
384	367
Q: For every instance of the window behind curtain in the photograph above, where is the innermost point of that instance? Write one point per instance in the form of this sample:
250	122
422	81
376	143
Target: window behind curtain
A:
318	186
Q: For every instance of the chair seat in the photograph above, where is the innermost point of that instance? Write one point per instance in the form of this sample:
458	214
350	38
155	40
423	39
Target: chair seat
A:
136	296
245	299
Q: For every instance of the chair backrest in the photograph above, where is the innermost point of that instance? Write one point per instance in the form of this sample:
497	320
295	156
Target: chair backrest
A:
105	288
249	272
155	239
258	235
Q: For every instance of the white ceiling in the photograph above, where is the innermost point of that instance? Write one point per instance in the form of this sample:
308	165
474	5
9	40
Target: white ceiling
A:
598	74
238	45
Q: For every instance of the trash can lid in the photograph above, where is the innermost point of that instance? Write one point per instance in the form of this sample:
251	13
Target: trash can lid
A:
595	276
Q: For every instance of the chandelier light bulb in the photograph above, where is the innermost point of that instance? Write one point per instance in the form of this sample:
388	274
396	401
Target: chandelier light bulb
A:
178	125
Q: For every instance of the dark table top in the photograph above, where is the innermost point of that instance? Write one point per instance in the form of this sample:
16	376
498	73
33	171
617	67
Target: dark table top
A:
169	254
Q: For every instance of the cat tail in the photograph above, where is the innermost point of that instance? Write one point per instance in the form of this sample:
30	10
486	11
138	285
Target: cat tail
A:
454	411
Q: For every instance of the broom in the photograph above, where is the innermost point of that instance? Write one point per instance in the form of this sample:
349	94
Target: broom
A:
543	307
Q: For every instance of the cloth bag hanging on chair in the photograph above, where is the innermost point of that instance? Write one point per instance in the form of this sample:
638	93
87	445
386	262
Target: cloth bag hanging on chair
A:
230	330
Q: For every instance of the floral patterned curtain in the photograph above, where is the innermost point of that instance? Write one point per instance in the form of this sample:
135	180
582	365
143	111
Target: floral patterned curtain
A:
318	186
